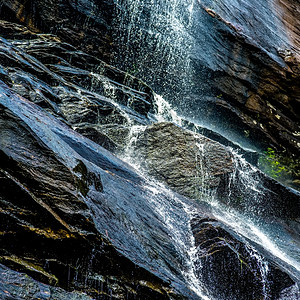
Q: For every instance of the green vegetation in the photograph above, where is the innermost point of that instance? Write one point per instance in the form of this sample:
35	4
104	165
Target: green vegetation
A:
280	166
271	165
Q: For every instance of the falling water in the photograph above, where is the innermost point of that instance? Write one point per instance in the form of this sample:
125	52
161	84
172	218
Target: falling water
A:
180	231
162	28
245	223
166	203
154	43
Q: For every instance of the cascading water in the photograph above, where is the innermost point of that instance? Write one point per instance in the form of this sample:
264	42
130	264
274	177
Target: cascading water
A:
179	228
167	44
247	179
159	233
163	201
177	221
155	43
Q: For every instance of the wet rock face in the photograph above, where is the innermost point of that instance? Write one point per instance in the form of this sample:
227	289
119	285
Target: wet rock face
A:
80	89
49	181
234	269
14	285
186	161
83	23
247	76
198	167
76	222
53	175
237	62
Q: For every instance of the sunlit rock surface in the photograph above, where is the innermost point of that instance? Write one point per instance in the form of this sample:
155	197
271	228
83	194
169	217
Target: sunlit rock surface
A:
187	162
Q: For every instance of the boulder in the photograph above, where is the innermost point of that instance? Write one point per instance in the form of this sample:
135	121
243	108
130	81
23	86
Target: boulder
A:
189	163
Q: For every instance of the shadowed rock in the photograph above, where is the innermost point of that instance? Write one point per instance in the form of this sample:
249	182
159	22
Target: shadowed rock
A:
234	269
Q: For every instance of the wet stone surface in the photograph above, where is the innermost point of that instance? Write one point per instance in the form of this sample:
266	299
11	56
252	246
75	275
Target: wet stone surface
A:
79	223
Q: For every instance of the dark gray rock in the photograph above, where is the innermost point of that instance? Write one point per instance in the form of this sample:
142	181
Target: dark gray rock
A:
18	286
99	227
234	269
94	98
82	23
62	220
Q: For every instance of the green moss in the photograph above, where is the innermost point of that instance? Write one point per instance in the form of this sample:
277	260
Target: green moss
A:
280	166
271	165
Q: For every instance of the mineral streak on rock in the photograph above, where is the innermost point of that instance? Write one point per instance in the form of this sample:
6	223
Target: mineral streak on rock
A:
289	12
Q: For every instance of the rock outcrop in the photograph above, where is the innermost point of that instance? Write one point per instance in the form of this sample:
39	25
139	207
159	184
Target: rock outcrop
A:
188	162
228	62
80	89
234	268
234	67
84	24
198	167
51	227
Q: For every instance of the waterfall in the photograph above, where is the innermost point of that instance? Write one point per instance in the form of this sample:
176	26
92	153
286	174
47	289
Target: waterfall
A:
215	221
245	177
247	225
154	43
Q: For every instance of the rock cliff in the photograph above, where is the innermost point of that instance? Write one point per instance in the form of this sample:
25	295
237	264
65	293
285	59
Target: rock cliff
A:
77	222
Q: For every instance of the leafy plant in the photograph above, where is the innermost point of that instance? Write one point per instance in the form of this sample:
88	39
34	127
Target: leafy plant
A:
271	165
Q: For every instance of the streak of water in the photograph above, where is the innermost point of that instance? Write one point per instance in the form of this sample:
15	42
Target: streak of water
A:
165	203
247	178
157	30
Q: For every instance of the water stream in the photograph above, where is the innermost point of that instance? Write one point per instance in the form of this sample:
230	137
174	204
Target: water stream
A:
154	36
272	237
